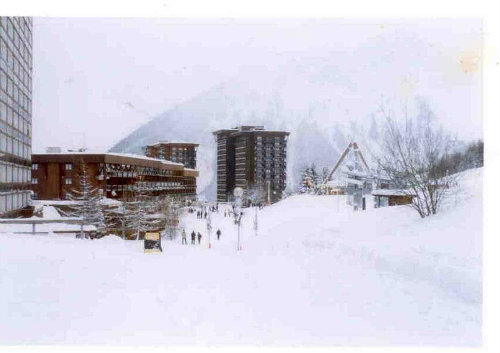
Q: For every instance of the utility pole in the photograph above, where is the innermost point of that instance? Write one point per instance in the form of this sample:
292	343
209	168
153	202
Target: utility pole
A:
209	229
256	222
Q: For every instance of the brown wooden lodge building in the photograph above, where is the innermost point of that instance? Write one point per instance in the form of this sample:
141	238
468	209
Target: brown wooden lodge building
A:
54	175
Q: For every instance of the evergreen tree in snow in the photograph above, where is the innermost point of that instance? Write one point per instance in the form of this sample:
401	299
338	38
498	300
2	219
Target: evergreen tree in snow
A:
320	189
87	202
170	208
308	181
315	177
305	181
137	212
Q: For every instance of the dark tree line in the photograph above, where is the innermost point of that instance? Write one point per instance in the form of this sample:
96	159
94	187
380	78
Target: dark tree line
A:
472	157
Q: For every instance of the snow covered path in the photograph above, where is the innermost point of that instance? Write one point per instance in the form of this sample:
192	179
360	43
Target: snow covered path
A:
317	274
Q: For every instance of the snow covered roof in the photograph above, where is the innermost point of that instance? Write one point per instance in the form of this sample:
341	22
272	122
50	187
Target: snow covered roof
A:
105	201
250	129
159	143
392	192
108	157
138	156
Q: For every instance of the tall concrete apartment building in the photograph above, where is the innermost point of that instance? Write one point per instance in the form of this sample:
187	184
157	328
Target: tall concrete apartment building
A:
16	64
252	158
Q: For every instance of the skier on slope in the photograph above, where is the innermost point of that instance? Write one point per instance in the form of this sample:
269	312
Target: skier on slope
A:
199	237
193	237
184	240
218	234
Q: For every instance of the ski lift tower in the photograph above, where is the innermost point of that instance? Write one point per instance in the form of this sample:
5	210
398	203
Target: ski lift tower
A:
355	177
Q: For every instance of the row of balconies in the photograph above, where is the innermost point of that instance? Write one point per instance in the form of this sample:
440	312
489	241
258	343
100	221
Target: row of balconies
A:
262	167
118	175
270	150
131	187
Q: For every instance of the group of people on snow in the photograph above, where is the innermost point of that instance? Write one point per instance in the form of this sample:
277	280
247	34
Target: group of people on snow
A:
202	213
195	235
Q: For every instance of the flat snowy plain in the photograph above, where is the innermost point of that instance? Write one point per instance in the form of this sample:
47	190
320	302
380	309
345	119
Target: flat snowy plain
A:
316	274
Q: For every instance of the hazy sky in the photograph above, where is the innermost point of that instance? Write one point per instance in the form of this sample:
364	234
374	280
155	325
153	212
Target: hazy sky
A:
95	80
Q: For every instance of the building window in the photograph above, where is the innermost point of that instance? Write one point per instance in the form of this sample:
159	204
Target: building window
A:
68	166
34	181
68	181
34	166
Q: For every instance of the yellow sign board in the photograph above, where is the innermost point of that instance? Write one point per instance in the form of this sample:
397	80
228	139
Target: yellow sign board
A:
152	242
152	236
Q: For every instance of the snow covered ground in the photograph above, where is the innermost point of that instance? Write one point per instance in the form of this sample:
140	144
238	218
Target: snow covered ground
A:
316	274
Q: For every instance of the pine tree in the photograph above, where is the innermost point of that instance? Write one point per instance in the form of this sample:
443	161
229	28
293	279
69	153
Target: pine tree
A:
321	189
138	210
315	178
87	202
305	181
170	209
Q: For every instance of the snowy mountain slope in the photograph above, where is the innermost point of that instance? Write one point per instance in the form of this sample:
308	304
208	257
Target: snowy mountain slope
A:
317	273
325	98
226	106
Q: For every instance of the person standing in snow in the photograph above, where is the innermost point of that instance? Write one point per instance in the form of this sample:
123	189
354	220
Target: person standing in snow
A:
218	234
199	237
205	214
193	237
184	240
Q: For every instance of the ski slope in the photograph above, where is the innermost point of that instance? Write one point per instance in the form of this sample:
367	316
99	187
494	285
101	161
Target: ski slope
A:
316	274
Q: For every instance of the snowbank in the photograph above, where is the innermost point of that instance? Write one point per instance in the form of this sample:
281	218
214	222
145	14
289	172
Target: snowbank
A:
316	273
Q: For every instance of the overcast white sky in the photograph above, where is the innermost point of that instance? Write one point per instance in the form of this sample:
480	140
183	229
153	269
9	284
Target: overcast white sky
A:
96	79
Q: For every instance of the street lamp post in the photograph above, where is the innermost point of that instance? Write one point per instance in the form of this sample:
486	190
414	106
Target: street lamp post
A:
238	193
256	222
209	229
